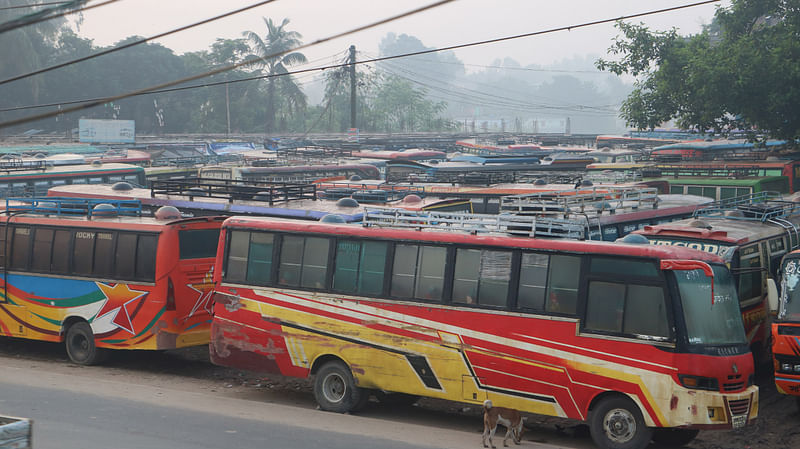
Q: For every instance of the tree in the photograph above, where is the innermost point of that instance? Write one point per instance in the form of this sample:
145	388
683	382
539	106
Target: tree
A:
274	56
740	73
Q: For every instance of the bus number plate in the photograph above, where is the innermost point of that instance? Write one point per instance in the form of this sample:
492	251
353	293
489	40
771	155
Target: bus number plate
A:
739	421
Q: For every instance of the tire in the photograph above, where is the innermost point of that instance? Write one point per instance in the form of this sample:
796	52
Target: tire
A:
80	345
396	399
617	423
335	389
674	437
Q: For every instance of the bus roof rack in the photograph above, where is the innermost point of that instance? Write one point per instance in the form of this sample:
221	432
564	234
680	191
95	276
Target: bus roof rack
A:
760	206
596	201
62	206
234	190
520	225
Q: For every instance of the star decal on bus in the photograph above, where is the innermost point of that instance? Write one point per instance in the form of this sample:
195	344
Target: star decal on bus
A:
204	299
120	301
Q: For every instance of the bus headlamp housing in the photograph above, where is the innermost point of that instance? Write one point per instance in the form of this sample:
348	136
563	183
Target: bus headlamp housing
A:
788	367
698	382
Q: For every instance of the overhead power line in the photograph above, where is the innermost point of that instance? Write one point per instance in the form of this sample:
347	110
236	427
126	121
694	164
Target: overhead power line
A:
35	5
224	68
50	13
134	43
167	87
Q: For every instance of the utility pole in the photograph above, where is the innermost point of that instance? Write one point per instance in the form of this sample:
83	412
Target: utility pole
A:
353	86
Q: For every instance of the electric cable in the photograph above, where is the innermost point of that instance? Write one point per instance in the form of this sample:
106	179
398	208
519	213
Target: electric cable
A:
134	43
49	13
223	68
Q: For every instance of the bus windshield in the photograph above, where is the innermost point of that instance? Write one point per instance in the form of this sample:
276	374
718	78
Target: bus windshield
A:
719	323
790	292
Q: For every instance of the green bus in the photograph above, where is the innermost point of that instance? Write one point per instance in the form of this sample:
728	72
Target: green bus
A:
724	188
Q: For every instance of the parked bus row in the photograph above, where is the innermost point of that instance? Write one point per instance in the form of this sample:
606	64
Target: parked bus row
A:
460	316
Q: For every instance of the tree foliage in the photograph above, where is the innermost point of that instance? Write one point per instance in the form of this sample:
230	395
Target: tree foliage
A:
742	72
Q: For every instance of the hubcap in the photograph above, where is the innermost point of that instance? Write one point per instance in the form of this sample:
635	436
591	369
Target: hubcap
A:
334	388
619	425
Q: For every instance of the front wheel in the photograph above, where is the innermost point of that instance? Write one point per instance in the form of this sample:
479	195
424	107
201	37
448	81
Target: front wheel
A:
81	348
335	389
674	437
617	423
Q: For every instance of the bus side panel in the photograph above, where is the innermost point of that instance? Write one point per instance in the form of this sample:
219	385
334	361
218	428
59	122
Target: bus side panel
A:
120	314
785	347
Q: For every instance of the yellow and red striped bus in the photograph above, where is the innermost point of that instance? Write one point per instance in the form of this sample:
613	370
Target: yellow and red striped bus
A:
642	342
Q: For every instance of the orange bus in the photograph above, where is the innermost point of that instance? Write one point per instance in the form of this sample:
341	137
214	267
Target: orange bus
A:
78	272
642	342
786	328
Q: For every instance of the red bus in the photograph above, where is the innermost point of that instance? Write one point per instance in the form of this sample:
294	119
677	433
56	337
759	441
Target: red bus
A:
641	341
752	234
101	280
786	328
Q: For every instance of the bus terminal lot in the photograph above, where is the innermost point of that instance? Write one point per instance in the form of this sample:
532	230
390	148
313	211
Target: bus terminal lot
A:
185	379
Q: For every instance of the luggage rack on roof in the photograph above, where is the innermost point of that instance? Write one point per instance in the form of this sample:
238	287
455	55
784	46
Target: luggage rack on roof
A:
595	201
761	206
364	193
519	225
234	190
62	206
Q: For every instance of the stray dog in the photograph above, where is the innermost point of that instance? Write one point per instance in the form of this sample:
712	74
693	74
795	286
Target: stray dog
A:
508	417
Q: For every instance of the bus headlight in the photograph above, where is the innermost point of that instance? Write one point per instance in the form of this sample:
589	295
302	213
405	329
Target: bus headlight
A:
786	367
699	382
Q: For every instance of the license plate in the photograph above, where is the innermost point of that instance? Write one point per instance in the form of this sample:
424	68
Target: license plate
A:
739	421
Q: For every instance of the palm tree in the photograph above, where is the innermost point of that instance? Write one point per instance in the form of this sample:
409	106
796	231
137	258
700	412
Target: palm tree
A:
275	56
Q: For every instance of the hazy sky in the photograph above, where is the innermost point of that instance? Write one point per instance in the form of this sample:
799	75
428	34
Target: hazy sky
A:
459	22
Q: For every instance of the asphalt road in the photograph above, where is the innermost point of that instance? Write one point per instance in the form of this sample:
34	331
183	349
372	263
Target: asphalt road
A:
91	407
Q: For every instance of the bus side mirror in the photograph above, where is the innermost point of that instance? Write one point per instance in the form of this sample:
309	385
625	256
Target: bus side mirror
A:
772	295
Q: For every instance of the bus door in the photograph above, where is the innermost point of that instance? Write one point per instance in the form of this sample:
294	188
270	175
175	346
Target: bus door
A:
192	283
752	274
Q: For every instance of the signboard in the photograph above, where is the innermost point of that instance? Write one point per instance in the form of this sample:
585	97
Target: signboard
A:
106	131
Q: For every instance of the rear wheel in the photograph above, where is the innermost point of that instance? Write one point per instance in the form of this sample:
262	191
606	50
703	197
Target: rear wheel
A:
80	345
617	423
335	389
674	437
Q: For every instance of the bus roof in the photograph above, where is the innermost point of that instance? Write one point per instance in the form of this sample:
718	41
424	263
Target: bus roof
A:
720	229
447	236
116	222
61	170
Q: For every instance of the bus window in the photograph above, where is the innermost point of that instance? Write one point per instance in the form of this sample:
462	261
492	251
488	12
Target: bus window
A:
79	181
3	245
197	243
236	268
710	192
259	260
61	251
676	190
304	262
646	311
605	306
418	271
82	253
103	254
360	267
482	276
95	180
42	248
727	192
146	257
562	284
125	257
750	276
623	267
694	190
20	247
742	191
532	281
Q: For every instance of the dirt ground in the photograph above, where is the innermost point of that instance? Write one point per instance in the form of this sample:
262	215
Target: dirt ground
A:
776	427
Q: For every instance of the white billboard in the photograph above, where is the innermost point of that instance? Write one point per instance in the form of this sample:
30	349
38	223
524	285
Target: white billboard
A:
106	131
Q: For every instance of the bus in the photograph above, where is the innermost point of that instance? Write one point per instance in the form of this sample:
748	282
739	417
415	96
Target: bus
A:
640	341
786	328
294	173
36	182
789	168
101	281
718	188
752	234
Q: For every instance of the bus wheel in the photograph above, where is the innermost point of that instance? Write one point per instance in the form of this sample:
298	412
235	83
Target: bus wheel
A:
80	344
335	389
617	423
674	437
